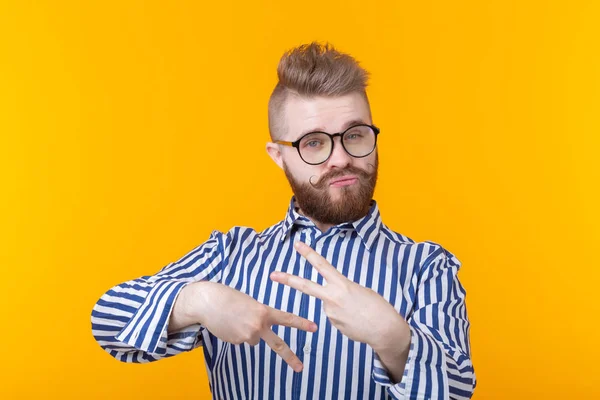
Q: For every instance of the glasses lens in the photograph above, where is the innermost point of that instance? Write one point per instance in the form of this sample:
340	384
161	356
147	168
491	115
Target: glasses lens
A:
315	148
359	141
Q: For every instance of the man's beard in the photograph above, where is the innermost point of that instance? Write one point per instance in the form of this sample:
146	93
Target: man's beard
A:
354	203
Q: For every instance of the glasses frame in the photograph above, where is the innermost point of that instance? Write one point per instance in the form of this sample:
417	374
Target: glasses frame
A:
296	143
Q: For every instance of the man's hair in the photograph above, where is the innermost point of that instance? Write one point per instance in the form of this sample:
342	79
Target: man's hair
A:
313	70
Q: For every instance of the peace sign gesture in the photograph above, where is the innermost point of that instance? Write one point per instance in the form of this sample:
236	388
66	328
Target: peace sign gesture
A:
235	317
358	312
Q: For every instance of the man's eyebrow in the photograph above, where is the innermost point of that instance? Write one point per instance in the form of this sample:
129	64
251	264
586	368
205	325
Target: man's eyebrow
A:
344	127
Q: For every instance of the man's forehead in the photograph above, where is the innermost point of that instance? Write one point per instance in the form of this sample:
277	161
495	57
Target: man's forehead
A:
343	127
328	114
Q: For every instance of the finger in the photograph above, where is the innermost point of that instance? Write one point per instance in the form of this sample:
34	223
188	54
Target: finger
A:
278	345
278	317
304	285
327	271
253	341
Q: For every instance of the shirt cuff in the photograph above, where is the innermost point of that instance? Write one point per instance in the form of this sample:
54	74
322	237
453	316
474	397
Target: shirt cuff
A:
147	329
425	363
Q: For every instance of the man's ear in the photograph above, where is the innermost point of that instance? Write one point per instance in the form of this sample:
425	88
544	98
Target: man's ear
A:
275	153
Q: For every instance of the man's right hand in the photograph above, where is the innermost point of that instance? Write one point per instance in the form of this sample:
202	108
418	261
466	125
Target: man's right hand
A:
235	317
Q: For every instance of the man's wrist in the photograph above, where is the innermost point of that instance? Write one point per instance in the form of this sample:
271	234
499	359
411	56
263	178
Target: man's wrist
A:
394	338
188	306
195	299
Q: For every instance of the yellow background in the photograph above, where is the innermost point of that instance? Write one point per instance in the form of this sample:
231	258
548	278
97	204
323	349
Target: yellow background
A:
130	130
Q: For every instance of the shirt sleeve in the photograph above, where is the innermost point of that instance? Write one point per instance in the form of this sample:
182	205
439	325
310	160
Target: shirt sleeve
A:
130	321
439	361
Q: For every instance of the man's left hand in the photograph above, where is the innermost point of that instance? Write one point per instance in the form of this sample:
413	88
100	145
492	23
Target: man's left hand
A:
357	312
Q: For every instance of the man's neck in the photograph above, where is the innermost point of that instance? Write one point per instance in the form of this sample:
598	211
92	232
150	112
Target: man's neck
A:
321	226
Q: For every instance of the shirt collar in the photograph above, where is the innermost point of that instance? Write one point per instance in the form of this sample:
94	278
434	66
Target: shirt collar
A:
367	227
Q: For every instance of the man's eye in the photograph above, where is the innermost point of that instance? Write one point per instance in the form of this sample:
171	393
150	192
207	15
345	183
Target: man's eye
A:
353	136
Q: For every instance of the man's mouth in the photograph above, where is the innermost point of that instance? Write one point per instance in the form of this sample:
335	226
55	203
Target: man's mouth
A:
343	181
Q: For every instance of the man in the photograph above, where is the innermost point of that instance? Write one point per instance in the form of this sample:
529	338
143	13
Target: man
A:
329	302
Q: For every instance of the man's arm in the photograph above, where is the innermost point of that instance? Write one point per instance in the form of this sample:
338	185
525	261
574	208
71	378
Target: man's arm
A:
393	347
131	320
438	361
426	358
163	315
185	312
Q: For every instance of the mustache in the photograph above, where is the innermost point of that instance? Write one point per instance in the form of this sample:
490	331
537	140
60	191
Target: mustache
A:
321	183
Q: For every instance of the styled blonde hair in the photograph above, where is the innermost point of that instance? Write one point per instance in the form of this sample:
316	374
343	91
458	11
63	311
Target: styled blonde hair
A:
311	70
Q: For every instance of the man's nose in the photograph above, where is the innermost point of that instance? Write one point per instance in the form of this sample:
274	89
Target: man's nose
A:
339	157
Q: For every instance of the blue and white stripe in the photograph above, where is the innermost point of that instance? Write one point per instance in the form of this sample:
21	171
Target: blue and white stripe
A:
419	279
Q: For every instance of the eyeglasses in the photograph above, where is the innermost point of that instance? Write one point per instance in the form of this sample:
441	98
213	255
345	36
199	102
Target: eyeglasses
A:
315	148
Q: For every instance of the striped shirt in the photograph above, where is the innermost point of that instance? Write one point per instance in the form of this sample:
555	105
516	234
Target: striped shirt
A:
418	278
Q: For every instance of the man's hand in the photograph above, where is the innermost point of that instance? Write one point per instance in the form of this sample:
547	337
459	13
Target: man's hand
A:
235	317
358	312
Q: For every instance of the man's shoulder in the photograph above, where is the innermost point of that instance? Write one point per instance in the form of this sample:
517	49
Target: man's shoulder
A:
425	248
245	234
395	237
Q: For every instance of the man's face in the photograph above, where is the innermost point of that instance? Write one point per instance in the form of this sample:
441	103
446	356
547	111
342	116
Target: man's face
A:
340	189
